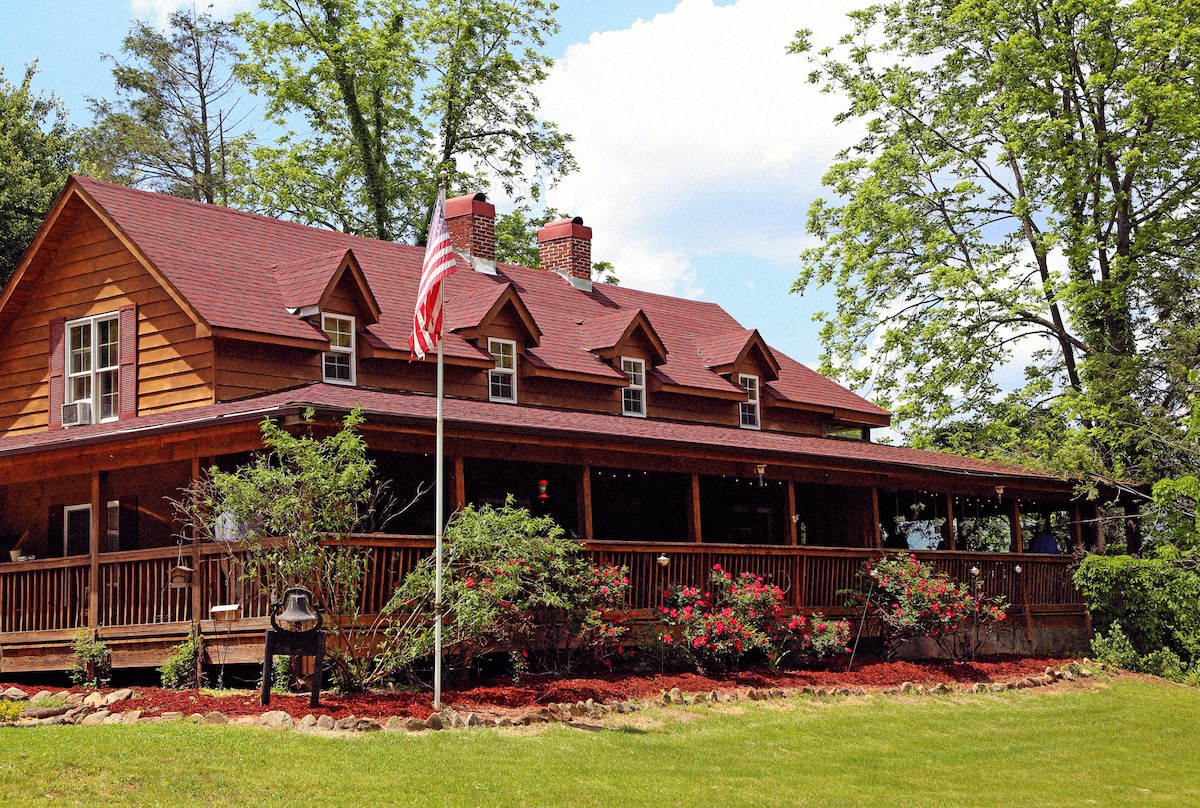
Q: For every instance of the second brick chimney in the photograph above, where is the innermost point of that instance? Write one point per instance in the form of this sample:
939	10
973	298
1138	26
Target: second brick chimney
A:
471	220
565	247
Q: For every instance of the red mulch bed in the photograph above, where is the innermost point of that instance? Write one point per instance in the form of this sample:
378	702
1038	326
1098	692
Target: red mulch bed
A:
501	697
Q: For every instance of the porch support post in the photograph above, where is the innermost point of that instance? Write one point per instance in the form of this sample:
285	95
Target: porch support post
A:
878	542
1077	530
94	553
583	498
460	484
792	521
1133	528
1014	524
197	603
948	532
693	511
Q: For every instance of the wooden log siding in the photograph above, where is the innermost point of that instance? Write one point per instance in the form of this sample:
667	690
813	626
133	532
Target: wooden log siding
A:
47	600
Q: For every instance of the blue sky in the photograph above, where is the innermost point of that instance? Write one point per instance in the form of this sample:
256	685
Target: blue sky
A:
699	142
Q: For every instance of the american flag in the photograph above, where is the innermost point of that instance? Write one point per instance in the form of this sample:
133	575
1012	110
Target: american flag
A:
439	262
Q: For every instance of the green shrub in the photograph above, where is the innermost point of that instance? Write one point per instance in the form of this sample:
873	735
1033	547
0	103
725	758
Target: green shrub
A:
179	670
510	581
10	710
1155	600
92	662
1117	650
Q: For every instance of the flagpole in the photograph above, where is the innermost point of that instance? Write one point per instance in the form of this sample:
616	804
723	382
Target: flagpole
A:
438	530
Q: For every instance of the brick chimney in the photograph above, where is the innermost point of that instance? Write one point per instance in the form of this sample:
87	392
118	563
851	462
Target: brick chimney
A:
565	247
471	220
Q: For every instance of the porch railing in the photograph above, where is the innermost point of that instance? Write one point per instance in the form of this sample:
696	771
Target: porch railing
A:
135	590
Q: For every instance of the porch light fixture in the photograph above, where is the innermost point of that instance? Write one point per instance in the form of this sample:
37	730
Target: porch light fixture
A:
662	560
760	469
999	493
974	571
1017	569
295	630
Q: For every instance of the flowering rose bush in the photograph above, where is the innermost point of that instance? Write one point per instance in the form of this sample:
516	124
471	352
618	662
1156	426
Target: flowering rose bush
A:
740	615
910	600
510	582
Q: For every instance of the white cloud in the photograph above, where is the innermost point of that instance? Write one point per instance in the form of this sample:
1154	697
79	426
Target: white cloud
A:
696	133
157	12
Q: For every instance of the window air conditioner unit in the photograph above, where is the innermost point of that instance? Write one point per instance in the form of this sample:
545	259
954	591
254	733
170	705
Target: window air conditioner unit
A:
77	413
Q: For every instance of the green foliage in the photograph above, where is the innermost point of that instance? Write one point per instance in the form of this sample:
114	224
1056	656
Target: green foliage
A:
510	581
910	600
1024	186
92	660
377	95
10	710
287	508
36	157
170	128
1155	601
178	671
1117	650
739	616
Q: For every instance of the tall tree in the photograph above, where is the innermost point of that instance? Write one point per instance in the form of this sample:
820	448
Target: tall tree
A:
170	127
1025	187
37	153
377	96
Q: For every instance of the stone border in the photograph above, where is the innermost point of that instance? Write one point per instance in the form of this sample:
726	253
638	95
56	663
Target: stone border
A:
46	708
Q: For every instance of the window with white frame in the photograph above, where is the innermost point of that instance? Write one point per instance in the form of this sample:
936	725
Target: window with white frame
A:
93	364
633	397
337	364
502	379
749	407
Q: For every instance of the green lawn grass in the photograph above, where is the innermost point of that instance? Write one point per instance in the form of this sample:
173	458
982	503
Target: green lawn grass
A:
1118	742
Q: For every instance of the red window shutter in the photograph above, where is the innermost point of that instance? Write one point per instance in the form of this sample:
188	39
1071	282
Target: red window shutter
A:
57	365
127	389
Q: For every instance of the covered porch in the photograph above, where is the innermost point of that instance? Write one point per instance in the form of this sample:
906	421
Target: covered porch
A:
803	512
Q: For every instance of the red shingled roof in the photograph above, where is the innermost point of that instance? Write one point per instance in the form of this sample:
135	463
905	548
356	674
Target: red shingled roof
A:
220	261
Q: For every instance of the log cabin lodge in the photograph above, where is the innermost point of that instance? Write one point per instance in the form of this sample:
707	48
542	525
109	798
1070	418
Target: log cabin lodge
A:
144	337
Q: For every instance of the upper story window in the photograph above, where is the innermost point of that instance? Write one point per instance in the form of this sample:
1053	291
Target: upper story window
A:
93	366
337	364
502	380
633	397
749	407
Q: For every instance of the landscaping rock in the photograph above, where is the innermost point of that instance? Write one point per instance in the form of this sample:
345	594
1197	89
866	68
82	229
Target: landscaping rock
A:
325	723
53	720
473	720
504	721
908	688
414	724
131	716
346	724
309	721
113	718
276	719
435	722
14	694
95	718
124	694
95	700
368	725
394	724
246	721
41	696
215	717
999	687
676	696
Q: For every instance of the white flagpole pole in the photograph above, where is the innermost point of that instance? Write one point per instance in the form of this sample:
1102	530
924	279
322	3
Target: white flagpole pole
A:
438	530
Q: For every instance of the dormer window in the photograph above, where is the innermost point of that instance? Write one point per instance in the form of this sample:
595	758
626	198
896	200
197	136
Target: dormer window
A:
633	397
93	365
502	379
337	364
749	407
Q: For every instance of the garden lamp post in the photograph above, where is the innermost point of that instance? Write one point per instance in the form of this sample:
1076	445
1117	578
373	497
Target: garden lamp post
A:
975	597
295	630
